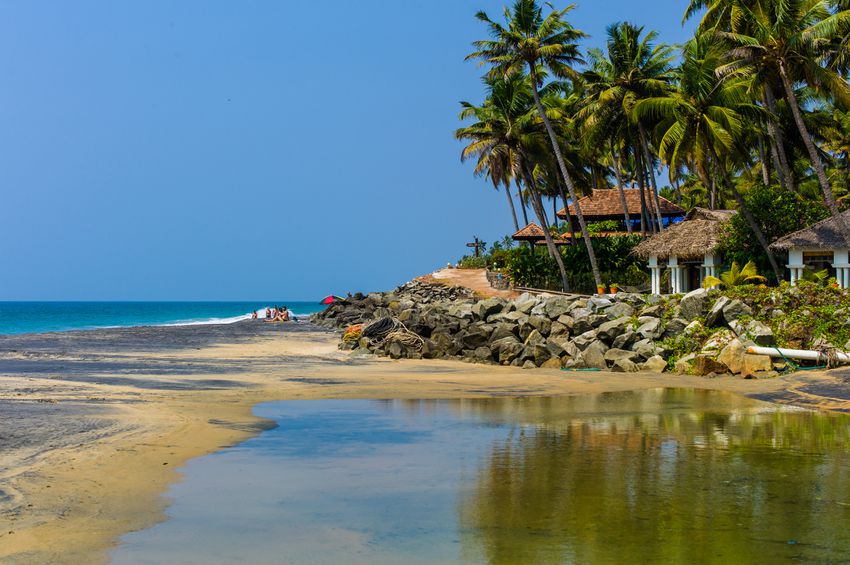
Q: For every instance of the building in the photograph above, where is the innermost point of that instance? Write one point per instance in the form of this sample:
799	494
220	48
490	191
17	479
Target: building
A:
606	205
821	246
688	249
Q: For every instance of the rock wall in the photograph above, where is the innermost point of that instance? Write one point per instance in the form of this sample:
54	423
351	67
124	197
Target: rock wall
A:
624	333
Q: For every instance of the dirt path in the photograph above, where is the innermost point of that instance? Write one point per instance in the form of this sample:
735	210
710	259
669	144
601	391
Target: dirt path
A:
474	279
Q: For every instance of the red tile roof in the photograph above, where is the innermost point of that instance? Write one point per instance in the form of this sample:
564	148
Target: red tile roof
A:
606	205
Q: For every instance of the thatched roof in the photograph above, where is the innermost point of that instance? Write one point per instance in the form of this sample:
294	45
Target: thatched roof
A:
699	234
831	233
606	205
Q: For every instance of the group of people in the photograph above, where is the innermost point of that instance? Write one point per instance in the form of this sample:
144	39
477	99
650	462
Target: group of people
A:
276	314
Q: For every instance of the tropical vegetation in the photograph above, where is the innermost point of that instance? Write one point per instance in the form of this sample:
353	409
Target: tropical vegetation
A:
750	114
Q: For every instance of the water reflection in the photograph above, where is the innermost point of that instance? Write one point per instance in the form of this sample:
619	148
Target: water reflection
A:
666	476
660	476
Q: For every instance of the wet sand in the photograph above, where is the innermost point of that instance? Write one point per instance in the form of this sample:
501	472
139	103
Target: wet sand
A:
95	425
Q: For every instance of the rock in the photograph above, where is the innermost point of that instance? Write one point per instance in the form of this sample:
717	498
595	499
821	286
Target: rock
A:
685	364
594	356
584	340
482	355
618	310
777	314
525	304
613	355
529	364
559	329
557	306
694	327
624	340
541	324
444	344
553	363
718	341
503	330
675	327
645	349
555	348
651	329
568	321
580	313
596	320
733	356
541	353
608	331
534	338
462	311
485	308
715	315
624	366
655	364
597	303
706	365
754	365
694	304
476	336
508	348
656	311
754	330
734	310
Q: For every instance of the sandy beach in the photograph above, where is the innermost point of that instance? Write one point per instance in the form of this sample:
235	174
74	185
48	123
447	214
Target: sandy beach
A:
95	425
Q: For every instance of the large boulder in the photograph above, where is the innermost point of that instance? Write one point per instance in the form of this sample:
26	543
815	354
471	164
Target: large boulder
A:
613	329
594	356
715	315
534	338
557	306
613	355
707	365
618	310
541	353
651	329
655	364
584	340
624	340
476	335
685	364
759	333
597	303
734	310
485	308
694	304
509	348
444	344
482	354
503	330
756	365
624	366
559	329
525	303
675	327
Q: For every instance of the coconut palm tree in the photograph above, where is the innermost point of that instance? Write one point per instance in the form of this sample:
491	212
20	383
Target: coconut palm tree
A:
632	68
703	120
788	39
505	133
530	40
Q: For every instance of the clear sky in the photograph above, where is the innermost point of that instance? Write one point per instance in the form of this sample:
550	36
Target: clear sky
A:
250	149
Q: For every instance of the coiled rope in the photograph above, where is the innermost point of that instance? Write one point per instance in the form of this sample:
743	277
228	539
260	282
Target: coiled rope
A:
389	330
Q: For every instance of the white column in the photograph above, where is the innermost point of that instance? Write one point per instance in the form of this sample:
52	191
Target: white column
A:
710	264
675	274
655	275
842	267
795	265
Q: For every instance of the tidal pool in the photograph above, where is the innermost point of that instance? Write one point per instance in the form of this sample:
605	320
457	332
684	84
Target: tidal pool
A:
659	476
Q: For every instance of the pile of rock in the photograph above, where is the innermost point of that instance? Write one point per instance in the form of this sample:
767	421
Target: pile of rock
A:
625	332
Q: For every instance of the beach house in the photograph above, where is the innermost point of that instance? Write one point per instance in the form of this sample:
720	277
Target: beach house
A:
605	205
821	246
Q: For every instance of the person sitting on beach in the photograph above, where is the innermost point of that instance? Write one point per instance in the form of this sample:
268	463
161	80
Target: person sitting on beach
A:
254	315
268	313
284	315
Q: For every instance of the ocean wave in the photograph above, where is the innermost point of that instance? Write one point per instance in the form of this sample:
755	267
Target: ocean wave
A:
261	313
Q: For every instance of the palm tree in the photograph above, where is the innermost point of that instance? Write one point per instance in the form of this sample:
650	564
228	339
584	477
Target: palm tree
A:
788	39
735	276
505	133
702	121
532	41
631	69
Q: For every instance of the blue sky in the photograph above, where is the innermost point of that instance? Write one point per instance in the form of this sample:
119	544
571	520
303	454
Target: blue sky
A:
259	149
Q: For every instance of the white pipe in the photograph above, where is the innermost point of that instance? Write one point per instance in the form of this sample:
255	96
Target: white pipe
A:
797	354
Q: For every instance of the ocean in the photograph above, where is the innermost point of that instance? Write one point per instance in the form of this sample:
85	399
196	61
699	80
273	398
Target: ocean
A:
37	317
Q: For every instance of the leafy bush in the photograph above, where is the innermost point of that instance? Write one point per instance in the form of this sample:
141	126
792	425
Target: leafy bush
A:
472	262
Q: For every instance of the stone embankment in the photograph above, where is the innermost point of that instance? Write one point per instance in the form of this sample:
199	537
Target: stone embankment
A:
701	332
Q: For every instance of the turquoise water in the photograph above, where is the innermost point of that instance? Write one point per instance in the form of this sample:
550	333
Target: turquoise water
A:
657	476
34	317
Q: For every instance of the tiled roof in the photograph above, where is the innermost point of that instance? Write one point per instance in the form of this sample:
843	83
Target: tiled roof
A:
606	205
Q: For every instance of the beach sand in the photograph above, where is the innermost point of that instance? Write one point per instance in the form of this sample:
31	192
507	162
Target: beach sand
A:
94	426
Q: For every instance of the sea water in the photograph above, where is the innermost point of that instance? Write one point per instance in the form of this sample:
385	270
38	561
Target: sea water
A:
658	476
36	317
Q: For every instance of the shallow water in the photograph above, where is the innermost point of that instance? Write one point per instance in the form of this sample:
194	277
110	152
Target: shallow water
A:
661	476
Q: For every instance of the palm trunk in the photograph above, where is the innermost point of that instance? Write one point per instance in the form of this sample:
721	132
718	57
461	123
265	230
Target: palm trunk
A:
567	213
765	172
567	178
776	134
807	141
537	204
644	214
652	180
511	204
748	216
522	204
619	176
